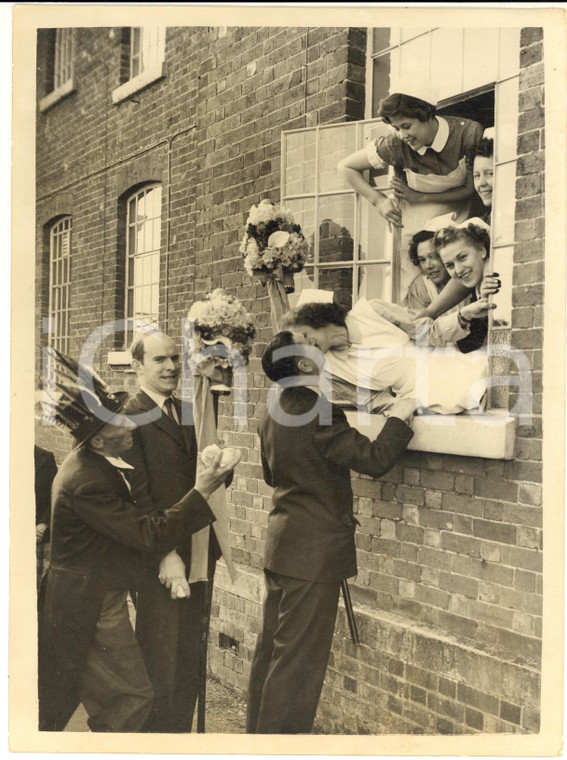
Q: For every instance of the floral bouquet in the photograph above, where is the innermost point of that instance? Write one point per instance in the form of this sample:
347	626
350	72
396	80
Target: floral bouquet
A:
273	245
220	321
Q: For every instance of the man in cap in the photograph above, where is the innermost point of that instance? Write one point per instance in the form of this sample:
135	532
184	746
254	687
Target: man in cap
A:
88	650
308	450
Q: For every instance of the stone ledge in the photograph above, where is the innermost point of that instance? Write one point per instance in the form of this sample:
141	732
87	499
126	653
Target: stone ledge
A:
490	435
56	95
144	79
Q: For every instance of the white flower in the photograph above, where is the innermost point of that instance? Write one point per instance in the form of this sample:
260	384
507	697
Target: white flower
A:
278	239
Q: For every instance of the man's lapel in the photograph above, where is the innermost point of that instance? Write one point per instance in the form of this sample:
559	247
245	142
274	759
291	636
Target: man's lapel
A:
164	422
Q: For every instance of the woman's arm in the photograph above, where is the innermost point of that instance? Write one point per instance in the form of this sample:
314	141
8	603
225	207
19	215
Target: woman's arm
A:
452	294
351	168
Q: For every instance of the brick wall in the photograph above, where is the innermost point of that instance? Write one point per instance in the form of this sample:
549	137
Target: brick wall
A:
449	590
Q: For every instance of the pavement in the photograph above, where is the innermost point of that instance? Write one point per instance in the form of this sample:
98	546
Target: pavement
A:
225	714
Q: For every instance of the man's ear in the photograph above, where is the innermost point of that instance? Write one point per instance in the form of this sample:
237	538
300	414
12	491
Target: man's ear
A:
96	442
136	365
305	366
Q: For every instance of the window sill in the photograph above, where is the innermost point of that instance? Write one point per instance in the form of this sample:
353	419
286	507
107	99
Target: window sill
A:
138	83
56	95
118	359
490	435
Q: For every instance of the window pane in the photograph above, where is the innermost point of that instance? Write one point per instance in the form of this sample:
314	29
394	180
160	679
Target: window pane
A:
336	228
506	119
480	57
503	262
141	215
140	244
375	239
146	270
299	175
303	211
446	61
304	280
334	145
409	32
340	282
415	57
383	38
375	282
380	80
509	52
504	190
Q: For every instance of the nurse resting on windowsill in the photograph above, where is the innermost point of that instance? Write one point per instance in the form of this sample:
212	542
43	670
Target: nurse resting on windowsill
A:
370	347
428	153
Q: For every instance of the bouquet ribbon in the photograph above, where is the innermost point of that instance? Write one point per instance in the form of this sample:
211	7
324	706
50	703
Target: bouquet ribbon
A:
206	434
279	303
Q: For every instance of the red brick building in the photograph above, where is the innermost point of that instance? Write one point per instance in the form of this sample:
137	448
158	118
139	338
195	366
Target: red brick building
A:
152	144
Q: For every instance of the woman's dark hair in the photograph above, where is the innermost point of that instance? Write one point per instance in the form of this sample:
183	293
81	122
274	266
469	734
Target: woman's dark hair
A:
472	233
316	315
419	237
485	149
285	365
405	105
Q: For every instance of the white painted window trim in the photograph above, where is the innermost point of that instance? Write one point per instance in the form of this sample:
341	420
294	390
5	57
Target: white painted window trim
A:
138	83
490	435
56	95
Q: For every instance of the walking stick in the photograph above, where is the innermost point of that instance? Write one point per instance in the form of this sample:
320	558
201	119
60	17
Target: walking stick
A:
204	645
350	613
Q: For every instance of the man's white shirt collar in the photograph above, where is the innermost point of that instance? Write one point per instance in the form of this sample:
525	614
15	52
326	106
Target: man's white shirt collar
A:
159	398
440	138
119	463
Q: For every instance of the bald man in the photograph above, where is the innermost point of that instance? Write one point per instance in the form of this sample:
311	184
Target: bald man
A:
169	611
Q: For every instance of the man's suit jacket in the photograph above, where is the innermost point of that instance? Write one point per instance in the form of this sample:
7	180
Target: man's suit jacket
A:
164	457
45	472
98	537
311	527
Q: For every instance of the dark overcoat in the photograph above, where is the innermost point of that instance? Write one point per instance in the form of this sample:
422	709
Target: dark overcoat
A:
311	526
98	539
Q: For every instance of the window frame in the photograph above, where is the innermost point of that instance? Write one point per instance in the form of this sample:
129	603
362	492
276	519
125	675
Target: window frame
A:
129	271
154	71
60	282
60	88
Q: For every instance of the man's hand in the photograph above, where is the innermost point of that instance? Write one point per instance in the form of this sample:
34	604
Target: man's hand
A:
211	477
40	529
403	409
172	575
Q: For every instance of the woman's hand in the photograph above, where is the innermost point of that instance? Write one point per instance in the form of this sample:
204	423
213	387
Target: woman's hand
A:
405	193
403	409
388	210
476	310
490	285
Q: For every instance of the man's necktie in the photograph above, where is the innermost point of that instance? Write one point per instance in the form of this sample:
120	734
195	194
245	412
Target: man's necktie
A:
169	409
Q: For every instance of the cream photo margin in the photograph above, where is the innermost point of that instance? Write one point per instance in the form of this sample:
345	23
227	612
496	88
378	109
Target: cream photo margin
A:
23	733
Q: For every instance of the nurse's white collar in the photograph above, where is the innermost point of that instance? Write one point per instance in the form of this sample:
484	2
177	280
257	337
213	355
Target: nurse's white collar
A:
440	138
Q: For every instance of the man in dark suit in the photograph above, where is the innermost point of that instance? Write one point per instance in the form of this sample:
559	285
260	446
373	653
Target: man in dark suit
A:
164	456
45	469
308	449
87	648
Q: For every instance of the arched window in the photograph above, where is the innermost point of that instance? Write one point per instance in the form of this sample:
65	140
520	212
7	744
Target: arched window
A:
143	236
59	282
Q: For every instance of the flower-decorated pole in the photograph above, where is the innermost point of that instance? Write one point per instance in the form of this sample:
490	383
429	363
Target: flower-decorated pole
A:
274	248
219	334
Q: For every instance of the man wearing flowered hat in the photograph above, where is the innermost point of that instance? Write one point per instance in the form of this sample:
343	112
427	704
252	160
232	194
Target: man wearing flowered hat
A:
87	648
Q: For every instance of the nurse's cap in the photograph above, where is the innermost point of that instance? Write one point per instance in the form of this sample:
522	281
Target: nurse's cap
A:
415	88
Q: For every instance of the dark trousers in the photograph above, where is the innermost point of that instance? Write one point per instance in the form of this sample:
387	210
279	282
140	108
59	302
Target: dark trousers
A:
169	632
291	655
114	686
